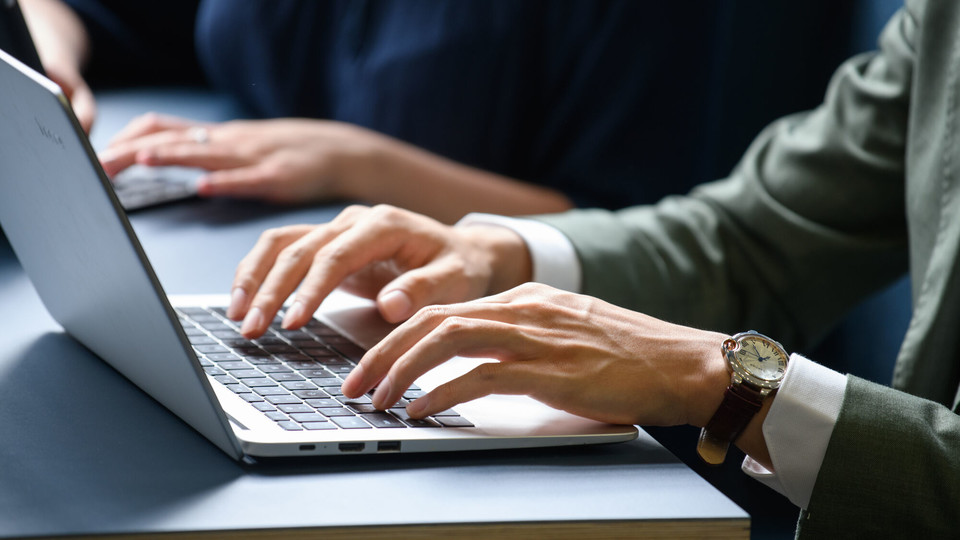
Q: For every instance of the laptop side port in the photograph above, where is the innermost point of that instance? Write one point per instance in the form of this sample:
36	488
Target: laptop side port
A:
388	446
308	447
352	446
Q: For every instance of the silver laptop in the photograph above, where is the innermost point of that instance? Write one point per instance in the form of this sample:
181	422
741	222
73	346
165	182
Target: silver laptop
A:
137	186
276	396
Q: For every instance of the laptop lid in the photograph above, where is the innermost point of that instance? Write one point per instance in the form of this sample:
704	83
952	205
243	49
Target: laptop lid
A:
72	238
74	241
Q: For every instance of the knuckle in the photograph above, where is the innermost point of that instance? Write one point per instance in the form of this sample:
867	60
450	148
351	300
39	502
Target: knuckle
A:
293	254
431	313
454	326
486	373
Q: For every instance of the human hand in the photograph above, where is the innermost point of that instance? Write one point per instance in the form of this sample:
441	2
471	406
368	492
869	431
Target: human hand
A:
77	91
404	260
283	161
569	351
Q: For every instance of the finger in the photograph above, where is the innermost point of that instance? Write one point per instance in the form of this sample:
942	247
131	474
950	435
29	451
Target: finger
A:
443	281
210	156
432	337
241	182
149	123
287	270
381	234
254	267
483	380
119	156
84	106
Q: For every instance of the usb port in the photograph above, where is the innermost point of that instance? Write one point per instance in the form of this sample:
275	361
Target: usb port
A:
352	446
388	446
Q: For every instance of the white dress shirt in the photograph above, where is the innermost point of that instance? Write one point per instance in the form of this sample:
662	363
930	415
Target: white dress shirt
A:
800	421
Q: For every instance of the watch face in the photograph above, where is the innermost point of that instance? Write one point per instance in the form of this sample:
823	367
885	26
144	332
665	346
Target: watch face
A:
762	358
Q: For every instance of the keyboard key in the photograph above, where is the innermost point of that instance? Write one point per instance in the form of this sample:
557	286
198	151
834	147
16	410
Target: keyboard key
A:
322	403
246	373
226	380
296	408
346	348
299	385
413	394
230	366
335	411
263	406
290	425
272	391
318	425
361	399
422	422
283	400
383	420
454	421
275	368
276	416
253	383
362	408
308	417
328	381
316	373
250	397
311	394
318	352
223	357
286	377
205	349
320	328
214	371
350	422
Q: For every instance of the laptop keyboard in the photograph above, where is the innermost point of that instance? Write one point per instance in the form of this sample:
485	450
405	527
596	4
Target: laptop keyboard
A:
293	376
139	186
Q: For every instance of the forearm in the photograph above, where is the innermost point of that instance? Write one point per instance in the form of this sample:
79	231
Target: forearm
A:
61	38
405	176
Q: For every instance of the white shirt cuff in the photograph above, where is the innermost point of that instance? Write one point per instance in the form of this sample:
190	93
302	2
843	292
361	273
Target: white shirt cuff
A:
798	427
555	261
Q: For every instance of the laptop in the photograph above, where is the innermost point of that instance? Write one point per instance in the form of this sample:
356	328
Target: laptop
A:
275	396
138	186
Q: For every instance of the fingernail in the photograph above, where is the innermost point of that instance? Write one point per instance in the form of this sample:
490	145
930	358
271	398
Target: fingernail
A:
382	394
252	322
395	305
293	314
204	186
419	406
238	300
353	379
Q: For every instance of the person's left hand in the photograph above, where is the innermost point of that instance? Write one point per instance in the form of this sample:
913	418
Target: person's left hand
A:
569	351
283	161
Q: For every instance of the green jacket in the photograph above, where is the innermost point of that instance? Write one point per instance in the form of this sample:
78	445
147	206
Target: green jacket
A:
825	208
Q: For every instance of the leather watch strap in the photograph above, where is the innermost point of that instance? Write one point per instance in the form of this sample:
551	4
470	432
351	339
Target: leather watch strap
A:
738	407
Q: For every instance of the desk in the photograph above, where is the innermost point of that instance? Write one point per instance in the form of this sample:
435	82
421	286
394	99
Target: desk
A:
75	460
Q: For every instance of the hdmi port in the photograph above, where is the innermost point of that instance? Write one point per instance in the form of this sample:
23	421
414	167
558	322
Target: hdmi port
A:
352	446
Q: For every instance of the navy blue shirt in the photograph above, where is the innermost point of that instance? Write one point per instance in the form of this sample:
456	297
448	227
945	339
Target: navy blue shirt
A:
603	100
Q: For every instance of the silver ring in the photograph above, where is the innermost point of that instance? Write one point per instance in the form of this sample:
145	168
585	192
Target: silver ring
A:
199	134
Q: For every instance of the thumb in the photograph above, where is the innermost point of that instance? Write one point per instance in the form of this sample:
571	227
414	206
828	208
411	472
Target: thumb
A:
437	283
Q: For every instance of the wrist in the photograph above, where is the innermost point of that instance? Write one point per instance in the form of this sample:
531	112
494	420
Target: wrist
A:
708	382
359	166
505	253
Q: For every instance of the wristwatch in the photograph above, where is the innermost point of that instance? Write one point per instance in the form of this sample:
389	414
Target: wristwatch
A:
757	365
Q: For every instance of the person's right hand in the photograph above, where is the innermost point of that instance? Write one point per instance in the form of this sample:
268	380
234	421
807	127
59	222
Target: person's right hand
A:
404	260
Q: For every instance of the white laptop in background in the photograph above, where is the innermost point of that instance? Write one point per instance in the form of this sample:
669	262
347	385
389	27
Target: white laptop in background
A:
273	397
